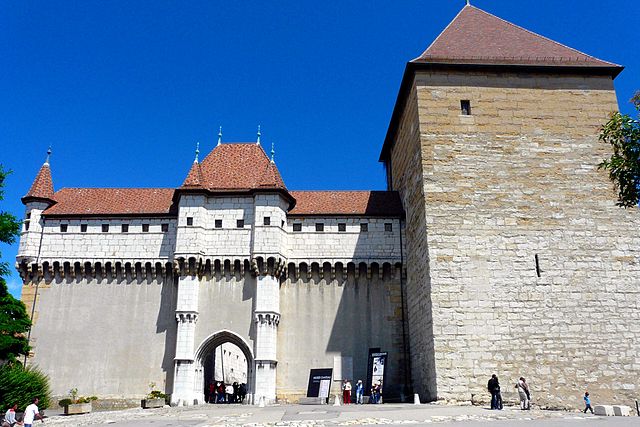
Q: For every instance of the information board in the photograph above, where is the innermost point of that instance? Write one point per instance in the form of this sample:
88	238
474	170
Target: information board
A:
319	382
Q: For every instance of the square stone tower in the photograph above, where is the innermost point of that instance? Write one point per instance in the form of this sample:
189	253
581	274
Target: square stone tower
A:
519	263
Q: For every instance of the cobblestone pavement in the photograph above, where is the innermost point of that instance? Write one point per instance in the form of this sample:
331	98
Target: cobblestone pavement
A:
311	416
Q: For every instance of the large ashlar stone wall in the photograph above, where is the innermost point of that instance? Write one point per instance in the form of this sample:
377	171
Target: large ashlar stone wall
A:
518	179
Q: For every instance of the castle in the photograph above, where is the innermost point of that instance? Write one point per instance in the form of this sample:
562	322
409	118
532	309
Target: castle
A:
498	248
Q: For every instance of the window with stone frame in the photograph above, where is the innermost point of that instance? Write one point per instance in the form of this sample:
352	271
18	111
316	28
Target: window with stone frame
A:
83	228
124	228
218	223
105	228
240	223
63	228
465	107
189	220
145	228
164	227
388	227
297	226
266	220
364	227
342	226
319	226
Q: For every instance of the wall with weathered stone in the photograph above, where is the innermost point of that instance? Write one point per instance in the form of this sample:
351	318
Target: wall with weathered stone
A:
322	318
105	338
406	178
518	179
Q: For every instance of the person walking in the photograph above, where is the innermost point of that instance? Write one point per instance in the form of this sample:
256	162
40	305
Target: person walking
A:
346	392
523	393
359	392
31	413
587	402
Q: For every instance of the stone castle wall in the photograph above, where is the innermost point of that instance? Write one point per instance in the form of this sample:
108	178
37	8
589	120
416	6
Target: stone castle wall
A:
515	180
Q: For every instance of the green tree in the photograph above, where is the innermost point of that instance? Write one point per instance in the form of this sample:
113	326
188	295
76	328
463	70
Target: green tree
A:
623	133
14	321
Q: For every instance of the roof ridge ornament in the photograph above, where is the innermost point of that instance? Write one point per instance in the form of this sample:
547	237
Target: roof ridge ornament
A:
273	152
468	2
46	162
220	136
197	152
259	134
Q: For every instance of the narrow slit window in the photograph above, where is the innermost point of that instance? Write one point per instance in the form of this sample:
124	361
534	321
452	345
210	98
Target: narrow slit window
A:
465	107
125	228
218	223
26	226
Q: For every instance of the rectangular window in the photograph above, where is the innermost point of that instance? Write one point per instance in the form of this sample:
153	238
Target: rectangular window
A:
297	226
26	226
145	228
165	228
240	223
63	228
388	226
319	226
267	220
218	223
124	228
28	215
189	220
105	228
364	227
342	226
465	107
83	228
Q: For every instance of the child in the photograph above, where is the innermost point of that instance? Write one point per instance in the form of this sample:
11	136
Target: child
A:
587	402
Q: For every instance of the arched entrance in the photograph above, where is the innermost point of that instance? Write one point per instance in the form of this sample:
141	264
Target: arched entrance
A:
213	348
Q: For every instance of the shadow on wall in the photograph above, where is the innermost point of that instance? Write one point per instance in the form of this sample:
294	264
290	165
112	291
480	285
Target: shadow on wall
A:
166	323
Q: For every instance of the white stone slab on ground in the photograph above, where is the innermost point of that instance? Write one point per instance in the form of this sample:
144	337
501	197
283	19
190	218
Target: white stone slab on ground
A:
621	410
606	410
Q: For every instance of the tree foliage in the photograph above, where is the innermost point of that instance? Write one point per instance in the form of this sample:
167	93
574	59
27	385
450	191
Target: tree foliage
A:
14	321
623	133
20	385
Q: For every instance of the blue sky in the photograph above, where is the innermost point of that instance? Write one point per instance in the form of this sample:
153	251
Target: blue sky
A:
122	90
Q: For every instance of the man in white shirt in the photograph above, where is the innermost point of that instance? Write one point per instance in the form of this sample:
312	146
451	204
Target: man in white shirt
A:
31	413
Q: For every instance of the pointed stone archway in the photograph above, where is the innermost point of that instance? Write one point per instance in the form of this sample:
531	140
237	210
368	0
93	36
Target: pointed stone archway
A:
207	347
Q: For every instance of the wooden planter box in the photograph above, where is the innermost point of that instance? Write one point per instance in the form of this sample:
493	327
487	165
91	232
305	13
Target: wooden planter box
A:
77	408
152	403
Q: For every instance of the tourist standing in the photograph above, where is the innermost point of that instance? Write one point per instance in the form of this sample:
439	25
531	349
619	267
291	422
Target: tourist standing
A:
346	392
523	393
229	391
31	413
359	392
494	388
587	402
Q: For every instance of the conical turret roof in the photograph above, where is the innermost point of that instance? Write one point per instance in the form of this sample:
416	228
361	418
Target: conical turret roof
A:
42	187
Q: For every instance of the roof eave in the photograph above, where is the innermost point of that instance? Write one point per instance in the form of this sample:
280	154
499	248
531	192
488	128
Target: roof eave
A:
231	192
407	80
28	199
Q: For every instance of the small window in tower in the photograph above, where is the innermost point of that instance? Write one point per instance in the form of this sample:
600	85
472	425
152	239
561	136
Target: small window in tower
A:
319	226
388	227
105	228
297	226
164	227
63	228
189	220
465	107
218	223
364	227
240	223
267	220
83	228
282	224
145	228
342	226
28	215
26	226
124	228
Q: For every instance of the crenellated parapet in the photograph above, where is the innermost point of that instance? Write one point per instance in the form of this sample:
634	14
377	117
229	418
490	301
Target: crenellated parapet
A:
119	270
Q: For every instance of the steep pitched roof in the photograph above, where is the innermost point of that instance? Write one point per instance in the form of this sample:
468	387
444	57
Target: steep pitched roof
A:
113	201
42	187
235	167
348	203
477	37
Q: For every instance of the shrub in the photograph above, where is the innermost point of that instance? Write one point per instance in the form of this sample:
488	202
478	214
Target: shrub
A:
21	385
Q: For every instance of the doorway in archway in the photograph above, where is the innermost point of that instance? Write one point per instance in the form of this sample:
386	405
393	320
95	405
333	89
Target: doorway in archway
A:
223	358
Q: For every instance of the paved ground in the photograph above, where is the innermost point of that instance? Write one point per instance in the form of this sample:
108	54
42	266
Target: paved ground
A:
353	415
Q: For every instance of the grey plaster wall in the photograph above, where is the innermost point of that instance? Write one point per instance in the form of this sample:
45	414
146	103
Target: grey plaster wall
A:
109	339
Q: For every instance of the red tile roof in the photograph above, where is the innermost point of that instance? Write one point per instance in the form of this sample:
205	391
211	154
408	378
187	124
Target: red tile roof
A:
42	187
365	203
235	167
477	37
113	201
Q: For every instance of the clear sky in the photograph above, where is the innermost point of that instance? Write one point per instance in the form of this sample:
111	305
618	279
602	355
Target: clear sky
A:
122	90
